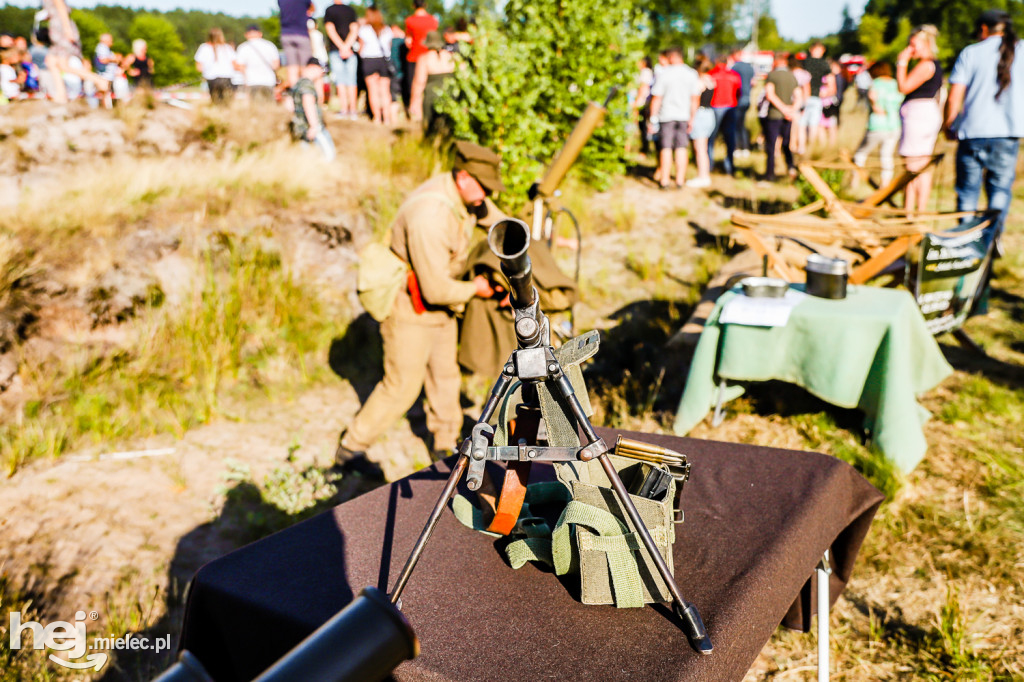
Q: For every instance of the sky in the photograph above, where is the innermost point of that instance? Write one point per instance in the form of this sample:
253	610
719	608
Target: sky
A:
794	19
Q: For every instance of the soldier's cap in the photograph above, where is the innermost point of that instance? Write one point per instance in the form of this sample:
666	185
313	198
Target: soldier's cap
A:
480	162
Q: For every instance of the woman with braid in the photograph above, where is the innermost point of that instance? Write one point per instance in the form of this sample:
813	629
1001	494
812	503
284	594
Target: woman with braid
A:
985	111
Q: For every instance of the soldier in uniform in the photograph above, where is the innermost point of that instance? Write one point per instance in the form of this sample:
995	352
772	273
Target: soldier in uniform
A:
432	234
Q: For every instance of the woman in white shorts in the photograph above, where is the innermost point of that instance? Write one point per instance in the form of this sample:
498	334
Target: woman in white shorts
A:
703	126
920	113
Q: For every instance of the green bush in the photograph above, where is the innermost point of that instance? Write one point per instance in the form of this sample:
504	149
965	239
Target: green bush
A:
528	80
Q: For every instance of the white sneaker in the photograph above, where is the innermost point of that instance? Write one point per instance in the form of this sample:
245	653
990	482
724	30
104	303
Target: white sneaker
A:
699	183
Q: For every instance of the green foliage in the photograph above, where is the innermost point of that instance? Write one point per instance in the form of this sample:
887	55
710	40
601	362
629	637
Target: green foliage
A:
955	21
16	20
873	33
527	83
396	11
90	28
170	65
694	23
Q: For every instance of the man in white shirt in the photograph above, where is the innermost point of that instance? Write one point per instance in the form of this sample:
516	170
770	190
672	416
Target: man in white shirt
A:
675	98
258	60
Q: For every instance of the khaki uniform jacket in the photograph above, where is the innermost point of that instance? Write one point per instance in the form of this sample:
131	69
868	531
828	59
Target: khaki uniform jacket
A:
432	233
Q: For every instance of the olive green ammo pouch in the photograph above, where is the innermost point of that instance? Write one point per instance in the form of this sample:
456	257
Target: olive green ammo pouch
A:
593	536
614	566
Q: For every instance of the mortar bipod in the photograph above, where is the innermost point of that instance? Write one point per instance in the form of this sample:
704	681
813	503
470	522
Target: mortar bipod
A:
533	366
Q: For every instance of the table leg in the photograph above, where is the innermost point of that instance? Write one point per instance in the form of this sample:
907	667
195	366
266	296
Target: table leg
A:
719	416
824	570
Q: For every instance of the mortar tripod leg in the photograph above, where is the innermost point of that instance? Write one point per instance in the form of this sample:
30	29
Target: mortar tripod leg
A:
449	489
692	623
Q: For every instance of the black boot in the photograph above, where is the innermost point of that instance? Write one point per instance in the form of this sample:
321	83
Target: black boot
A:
349	461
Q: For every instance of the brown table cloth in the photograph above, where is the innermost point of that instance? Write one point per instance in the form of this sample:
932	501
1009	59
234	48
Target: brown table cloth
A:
757	523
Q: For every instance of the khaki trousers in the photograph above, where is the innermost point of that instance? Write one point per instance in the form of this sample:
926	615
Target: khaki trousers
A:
416	356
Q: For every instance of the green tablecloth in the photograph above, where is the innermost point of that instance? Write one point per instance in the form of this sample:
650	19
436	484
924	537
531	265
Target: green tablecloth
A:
870	350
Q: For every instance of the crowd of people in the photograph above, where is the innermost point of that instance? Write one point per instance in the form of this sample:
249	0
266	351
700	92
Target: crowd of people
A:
49	70
355	53
402	65
678	106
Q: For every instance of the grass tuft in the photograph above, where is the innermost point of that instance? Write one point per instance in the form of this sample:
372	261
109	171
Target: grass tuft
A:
249	326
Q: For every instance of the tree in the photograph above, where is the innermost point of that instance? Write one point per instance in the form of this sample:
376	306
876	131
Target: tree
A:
848	39
90	28
526	83
395	11
955	21
16	20
877	47
768	37
171	66
691	22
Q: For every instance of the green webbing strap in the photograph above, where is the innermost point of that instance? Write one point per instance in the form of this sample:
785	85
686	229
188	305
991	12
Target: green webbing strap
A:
555	548
625	575
469	516
521	551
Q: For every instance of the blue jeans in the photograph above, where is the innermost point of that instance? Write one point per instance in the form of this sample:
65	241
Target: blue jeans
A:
343	71
991	160
725	123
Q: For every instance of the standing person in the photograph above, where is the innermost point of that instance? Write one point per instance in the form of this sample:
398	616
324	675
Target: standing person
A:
65	53
432	70
723	104
884	120
308	121
342	28
295	36
431	234
832	104
820	76
863	81
258	60
782	94
642	104
798	138
417	26
375	62
10	87
674	102
215	60
746	73
703	125
317	45
38	51
398	52
107	64
986	114
922	119
139	65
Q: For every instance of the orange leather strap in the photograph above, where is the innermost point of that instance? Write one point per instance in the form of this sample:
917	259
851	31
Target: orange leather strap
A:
517	475
513	494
